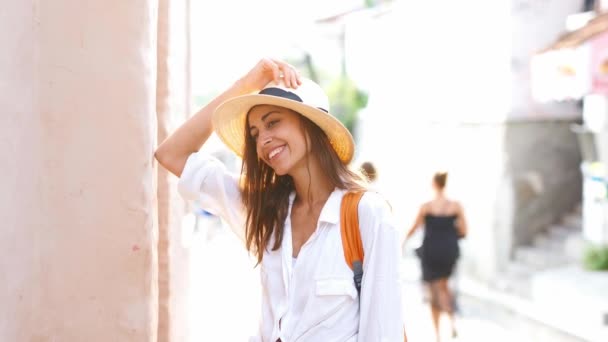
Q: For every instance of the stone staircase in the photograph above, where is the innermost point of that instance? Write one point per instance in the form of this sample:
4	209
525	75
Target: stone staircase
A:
559	245
544	293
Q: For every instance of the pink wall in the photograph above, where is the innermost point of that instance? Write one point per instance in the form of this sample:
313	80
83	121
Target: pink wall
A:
172	107
77	135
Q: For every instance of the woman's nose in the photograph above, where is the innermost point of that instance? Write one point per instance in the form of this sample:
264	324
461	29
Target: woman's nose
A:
265	139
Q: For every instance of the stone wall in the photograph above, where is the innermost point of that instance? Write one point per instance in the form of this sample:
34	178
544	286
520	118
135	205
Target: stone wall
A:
546	180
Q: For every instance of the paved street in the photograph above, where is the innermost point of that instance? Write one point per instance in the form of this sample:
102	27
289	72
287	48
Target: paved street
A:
225	297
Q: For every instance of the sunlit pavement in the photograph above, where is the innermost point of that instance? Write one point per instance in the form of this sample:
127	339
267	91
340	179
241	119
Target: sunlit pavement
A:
225	288
472	325
225	297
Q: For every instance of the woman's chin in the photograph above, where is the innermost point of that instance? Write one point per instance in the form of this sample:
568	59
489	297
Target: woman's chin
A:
280	171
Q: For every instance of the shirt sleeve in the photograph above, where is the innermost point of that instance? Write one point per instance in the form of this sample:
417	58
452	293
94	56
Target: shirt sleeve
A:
381	317
207	180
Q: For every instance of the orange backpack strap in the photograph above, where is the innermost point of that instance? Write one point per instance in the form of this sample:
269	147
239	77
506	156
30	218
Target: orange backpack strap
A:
351	236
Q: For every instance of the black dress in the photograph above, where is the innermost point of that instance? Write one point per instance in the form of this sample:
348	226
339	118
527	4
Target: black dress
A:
439	250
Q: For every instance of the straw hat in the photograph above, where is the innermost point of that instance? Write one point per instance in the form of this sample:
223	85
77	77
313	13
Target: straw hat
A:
309	100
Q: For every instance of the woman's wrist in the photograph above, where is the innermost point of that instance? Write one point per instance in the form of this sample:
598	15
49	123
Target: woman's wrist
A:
241	87
237	88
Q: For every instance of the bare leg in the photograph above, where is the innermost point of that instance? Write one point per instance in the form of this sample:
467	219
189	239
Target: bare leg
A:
446	302
435	306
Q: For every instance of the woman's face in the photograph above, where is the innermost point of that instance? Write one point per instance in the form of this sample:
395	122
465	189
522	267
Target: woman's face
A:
279	138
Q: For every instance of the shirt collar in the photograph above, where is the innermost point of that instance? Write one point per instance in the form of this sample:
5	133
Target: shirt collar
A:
331	210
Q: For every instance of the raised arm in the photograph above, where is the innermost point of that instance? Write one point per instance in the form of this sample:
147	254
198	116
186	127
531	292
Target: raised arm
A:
190	136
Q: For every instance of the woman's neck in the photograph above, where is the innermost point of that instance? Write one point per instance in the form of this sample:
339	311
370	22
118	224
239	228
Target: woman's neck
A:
311	184
439	195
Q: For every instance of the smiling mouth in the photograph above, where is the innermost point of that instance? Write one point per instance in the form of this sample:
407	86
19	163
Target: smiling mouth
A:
275	152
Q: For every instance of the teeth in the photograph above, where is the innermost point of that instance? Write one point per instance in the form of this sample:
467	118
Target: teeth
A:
275	152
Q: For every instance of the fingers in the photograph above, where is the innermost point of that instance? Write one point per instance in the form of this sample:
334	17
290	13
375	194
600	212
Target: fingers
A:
274	67
294	77
291	77
269	69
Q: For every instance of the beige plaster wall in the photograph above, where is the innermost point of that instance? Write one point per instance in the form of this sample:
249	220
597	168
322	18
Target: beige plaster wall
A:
172	107
77	133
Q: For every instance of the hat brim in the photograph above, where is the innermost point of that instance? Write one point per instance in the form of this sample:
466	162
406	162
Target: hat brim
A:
229	122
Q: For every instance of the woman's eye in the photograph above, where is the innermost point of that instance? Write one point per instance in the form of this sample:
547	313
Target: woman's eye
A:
272	123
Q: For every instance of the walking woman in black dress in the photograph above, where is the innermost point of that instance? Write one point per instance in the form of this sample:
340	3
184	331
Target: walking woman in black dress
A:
444	223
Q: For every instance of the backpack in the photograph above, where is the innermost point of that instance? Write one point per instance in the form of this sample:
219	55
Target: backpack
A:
351	237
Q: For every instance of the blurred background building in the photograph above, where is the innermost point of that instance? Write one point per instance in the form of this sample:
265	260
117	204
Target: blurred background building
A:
509	97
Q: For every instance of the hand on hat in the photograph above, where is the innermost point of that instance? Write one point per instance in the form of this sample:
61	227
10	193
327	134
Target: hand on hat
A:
267	70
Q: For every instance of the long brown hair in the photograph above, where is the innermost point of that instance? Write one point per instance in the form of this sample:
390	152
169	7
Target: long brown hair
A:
265	194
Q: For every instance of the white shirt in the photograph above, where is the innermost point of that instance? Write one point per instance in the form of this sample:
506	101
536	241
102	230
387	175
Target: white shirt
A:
314	299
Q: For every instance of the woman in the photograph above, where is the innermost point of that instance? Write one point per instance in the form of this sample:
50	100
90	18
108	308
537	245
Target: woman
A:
444	223
286	207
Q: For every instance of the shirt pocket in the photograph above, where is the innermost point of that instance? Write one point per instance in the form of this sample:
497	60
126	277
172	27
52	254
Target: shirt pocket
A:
336	301
336	287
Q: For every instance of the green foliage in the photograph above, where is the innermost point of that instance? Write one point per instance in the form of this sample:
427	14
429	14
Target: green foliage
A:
373	3
596	258
346	100
370	3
